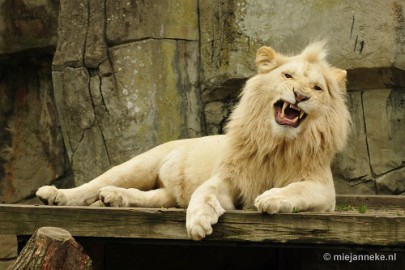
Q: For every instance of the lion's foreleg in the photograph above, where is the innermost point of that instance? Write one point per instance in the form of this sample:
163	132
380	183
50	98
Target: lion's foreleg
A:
207	204
119	197
313	196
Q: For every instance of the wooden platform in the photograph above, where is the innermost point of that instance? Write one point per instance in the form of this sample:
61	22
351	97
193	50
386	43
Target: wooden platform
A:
140	238
358	220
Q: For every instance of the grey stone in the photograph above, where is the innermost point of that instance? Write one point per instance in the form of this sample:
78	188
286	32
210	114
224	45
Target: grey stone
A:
375	78
72	31
124	105
364	35
353	162
215	112
148	95
8	244
137	20
91	157
392	182
343	186
96	48
27	25
384	113
75	107
32	151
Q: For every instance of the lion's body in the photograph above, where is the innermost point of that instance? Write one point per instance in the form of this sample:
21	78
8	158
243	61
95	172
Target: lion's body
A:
276	154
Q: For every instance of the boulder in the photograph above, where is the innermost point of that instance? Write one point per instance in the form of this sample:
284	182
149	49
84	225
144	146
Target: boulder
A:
384	114
392	182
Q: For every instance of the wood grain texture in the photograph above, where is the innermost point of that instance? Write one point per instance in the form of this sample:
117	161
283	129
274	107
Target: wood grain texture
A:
52	248
345	228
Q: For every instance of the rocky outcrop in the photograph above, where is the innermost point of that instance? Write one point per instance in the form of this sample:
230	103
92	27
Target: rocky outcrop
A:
133	82
32	151
374	157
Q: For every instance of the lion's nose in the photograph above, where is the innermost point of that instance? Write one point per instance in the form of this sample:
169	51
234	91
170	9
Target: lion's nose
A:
299	98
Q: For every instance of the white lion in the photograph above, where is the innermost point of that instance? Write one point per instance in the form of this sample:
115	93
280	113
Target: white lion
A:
276	155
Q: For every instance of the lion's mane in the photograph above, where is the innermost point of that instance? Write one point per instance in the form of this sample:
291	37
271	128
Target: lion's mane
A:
278	160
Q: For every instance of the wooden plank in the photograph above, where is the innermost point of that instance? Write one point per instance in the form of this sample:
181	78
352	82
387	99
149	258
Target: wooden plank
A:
238	225
372	201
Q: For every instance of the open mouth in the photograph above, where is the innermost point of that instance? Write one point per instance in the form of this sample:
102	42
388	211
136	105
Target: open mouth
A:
288	114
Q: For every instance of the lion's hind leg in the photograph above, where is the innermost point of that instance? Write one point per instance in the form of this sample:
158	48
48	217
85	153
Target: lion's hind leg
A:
132	197
139	173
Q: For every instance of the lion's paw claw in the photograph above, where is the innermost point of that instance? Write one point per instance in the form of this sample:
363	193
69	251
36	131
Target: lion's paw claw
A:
50	195
112	196
272	204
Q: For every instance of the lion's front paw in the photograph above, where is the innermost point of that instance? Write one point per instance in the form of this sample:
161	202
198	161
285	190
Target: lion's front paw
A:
112	196
199	227
50	195
200	218
272	202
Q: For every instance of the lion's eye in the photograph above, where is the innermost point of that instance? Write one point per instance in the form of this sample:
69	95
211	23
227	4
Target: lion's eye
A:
317	88
288	75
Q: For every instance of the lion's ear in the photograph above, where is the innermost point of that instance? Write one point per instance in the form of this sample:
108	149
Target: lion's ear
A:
267	59
340	76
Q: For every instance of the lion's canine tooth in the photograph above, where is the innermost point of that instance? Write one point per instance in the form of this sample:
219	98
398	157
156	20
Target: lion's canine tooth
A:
295	119
283	109
285	105
301	114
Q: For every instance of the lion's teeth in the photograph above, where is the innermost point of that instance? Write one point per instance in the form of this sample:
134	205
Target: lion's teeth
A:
295	119
283	109
301	114
294	107
285	106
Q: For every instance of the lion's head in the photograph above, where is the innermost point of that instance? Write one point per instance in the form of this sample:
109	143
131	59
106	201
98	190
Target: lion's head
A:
298	101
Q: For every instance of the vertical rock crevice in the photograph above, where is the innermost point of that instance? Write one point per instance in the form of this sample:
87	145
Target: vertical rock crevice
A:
366	142
141	78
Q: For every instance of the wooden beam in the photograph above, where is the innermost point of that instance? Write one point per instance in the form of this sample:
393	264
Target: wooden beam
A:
235	226
372	201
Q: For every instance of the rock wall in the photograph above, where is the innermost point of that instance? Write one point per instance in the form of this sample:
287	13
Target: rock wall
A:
126	79
129	64
32	151
374	159
128	75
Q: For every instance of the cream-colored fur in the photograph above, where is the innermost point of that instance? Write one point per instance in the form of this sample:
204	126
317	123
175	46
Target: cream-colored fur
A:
266	159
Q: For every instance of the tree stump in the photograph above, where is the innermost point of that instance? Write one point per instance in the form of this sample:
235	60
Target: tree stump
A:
52	248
